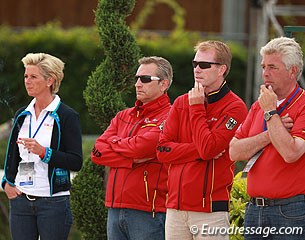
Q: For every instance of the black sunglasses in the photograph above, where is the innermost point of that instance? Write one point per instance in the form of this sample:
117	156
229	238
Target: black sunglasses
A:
147	78
204	65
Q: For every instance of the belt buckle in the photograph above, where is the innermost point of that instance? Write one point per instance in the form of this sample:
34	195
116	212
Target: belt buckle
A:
30	198
260	202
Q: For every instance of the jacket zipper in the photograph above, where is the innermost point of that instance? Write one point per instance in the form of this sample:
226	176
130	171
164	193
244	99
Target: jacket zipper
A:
153	203
206	175
146	185
145	174
134	126
155	192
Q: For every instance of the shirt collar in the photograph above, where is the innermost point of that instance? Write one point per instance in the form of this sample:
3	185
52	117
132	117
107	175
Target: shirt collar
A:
50	108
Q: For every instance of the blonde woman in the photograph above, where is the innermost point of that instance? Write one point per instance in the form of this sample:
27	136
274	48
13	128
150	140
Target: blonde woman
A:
44	146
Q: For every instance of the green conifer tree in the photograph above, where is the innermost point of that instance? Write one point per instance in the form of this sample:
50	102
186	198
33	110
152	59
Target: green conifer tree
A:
103	96
114	75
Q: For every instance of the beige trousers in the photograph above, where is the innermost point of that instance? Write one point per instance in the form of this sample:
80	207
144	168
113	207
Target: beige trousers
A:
187	225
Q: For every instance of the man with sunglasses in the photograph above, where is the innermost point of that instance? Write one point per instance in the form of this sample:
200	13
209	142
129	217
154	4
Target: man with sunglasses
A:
137	182
195	143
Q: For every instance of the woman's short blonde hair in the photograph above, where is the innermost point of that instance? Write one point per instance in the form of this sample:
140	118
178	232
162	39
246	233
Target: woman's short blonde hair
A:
48	65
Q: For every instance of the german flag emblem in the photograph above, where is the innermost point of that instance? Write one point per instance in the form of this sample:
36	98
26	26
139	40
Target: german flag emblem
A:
231	123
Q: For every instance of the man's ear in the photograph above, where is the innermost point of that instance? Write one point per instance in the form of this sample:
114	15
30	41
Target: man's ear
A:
223	69
164	84
294	71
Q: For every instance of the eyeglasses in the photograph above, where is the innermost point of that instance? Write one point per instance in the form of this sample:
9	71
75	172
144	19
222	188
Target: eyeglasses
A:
204	65
147	78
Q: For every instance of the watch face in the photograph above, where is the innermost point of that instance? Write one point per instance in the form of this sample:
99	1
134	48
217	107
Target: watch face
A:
267	116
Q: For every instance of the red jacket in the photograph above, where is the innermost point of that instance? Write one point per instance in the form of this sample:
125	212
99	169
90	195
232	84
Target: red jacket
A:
192	137
133	134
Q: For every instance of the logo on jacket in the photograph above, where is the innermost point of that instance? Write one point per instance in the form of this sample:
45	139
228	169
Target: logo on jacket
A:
162	125
147	120
96	152
231	123
212	119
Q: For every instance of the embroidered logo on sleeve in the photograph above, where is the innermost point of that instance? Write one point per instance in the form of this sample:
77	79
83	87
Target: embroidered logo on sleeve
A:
231	123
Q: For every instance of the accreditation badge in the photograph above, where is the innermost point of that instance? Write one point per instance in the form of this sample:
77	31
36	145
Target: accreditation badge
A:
26	173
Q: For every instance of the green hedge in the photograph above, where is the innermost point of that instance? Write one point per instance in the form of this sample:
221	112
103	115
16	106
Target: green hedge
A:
79	48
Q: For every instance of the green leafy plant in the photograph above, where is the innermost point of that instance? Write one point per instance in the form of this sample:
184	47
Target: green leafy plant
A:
239	199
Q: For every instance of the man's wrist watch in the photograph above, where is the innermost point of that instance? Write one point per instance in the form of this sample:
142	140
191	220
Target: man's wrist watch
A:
269	114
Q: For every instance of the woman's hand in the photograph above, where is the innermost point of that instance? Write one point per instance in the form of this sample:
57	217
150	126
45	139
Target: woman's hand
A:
31	145
11	191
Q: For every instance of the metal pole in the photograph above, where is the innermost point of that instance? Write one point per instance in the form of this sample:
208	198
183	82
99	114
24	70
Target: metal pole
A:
262	37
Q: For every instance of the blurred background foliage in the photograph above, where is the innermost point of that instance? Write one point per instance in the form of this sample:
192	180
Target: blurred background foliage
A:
239	199
80	49
77	47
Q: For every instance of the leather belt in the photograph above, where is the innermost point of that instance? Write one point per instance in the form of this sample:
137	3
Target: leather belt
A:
31	197
220	206
263	202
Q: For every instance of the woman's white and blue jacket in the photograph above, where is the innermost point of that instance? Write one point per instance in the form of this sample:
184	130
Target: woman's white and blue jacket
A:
63	155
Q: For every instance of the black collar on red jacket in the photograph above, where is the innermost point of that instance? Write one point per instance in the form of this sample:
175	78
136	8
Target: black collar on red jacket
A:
218	94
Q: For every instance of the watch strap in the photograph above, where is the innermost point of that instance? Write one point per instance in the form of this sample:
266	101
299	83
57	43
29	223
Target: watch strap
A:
269	114
272	112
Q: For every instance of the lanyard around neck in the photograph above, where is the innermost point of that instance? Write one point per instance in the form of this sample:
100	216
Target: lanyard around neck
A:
284	106
30	127
289	100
